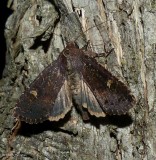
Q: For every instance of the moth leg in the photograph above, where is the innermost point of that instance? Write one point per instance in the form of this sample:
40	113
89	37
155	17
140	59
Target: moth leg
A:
14	132
86	46
105	54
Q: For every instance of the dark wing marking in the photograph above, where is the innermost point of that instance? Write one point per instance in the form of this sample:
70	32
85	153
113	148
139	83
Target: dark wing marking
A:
48	96
104	93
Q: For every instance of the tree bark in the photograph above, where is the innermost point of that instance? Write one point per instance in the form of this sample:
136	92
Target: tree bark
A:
37	32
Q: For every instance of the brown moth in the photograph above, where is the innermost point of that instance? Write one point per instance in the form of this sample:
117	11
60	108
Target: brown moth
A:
73	76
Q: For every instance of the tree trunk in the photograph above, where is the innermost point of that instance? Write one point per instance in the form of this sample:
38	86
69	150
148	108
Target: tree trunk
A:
37	32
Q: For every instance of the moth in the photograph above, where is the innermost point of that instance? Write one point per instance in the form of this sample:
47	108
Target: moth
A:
74	77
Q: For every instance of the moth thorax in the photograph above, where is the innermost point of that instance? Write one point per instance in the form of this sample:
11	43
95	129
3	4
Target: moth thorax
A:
74	62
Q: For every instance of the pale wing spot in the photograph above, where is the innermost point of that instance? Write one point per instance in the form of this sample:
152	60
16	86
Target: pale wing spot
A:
34	93
109	83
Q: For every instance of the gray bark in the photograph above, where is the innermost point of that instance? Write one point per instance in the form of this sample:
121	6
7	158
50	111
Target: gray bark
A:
37	32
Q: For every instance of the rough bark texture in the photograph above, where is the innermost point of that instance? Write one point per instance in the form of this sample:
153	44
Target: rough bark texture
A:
37	32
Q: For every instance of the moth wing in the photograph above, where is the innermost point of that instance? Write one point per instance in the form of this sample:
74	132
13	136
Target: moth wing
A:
102	92
89	101
48	97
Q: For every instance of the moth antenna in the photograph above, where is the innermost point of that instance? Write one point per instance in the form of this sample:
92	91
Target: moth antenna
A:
88	30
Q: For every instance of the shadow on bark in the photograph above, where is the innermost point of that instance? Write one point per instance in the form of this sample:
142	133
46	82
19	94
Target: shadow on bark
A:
28	130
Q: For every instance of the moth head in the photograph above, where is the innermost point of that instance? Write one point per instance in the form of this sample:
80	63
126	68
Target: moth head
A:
72	45
71	50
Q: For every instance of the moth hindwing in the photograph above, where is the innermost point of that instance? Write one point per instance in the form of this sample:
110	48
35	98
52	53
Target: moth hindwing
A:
74	75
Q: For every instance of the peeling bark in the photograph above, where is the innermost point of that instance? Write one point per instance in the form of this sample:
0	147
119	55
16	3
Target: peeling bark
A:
37	32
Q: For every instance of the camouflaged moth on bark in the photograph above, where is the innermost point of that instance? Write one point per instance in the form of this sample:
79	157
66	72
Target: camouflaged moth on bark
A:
73	76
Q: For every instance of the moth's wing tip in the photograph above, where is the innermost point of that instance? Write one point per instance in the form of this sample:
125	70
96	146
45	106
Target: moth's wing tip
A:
29	120
120	112
15	114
